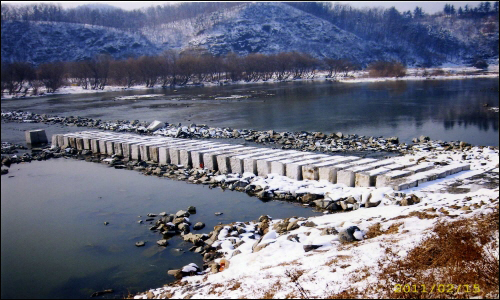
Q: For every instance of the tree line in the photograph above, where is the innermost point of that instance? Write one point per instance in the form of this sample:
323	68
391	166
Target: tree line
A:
111	16
484	9
171	68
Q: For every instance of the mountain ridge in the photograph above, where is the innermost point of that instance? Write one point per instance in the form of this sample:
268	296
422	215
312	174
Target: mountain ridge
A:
262	27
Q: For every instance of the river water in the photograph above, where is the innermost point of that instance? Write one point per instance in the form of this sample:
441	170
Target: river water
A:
55	243
53	239
447	110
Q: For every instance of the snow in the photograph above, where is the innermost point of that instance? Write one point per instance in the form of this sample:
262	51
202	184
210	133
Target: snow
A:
334	266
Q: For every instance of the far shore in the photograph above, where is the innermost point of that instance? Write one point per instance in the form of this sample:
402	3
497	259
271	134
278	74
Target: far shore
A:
445	73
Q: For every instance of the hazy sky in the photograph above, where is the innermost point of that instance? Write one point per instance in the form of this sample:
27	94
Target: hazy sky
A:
428	6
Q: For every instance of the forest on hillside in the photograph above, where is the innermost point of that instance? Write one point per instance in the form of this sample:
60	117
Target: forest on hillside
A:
455	34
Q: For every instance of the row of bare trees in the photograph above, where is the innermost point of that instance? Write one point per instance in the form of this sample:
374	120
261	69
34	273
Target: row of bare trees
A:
171	68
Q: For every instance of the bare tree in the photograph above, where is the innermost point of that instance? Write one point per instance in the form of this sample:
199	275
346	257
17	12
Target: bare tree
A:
51	75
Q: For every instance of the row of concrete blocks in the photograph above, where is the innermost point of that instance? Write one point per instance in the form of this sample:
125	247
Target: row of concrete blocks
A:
349	170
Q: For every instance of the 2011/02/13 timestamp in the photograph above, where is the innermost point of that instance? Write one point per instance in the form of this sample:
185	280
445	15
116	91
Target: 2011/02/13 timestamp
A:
440	288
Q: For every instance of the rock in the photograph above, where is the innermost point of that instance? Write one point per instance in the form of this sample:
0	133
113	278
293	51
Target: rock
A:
218	213
140	244
178	221
183	227
176	273
347	235
163	243
309	197
99	293
324	203
193	238
293	225
328	231
199	225
191	209
181	213
257	247
5	171
308	248
192	268
339	135
106	223
423	138
214	268
150	295
309	224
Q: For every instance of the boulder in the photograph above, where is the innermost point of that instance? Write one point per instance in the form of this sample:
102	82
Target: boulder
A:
348	235
176	273
308	248
199	225
181	213
163	243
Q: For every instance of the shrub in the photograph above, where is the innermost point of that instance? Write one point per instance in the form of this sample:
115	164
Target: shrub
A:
386	69
457	253
481	64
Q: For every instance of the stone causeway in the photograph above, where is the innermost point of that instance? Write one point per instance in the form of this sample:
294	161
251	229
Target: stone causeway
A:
352	171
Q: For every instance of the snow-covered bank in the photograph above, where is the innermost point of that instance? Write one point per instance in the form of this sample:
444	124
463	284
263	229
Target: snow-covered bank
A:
445	73
301	258
285	268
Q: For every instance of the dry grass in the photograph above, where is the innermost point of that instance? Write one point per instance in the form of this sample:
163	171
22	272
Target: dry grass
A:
235	286
337	259
452	256
422	215
375	230
270	292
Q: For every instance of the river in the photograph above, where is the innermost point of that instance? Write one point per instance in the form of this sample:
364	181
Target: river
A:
54	241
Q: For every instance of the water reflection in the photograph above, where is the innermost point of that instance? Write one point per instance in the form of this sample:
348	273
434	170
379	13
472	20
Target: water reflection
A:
407	109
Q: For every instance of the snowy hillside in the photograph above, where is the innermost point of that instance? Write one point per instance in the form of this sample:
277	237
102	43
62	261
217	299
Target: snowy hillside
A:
39	42
262	27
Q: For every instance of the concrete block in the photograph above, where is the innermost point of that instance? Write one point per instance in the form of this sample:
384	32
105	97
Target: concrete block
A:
163	156
117	148
185	157
94	145
197	156
385	179
86	143
110	144
264	165
60	140
348	176
102	145
294	169
34	137
210	157
155	125
54	140
135	151
328	170
236	162
79	144
72	141
311	171
174	150
250	163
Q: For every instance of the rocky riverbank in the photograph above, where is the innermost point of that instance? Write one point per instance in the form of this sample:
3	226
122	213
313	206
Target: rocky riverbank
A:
306	141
